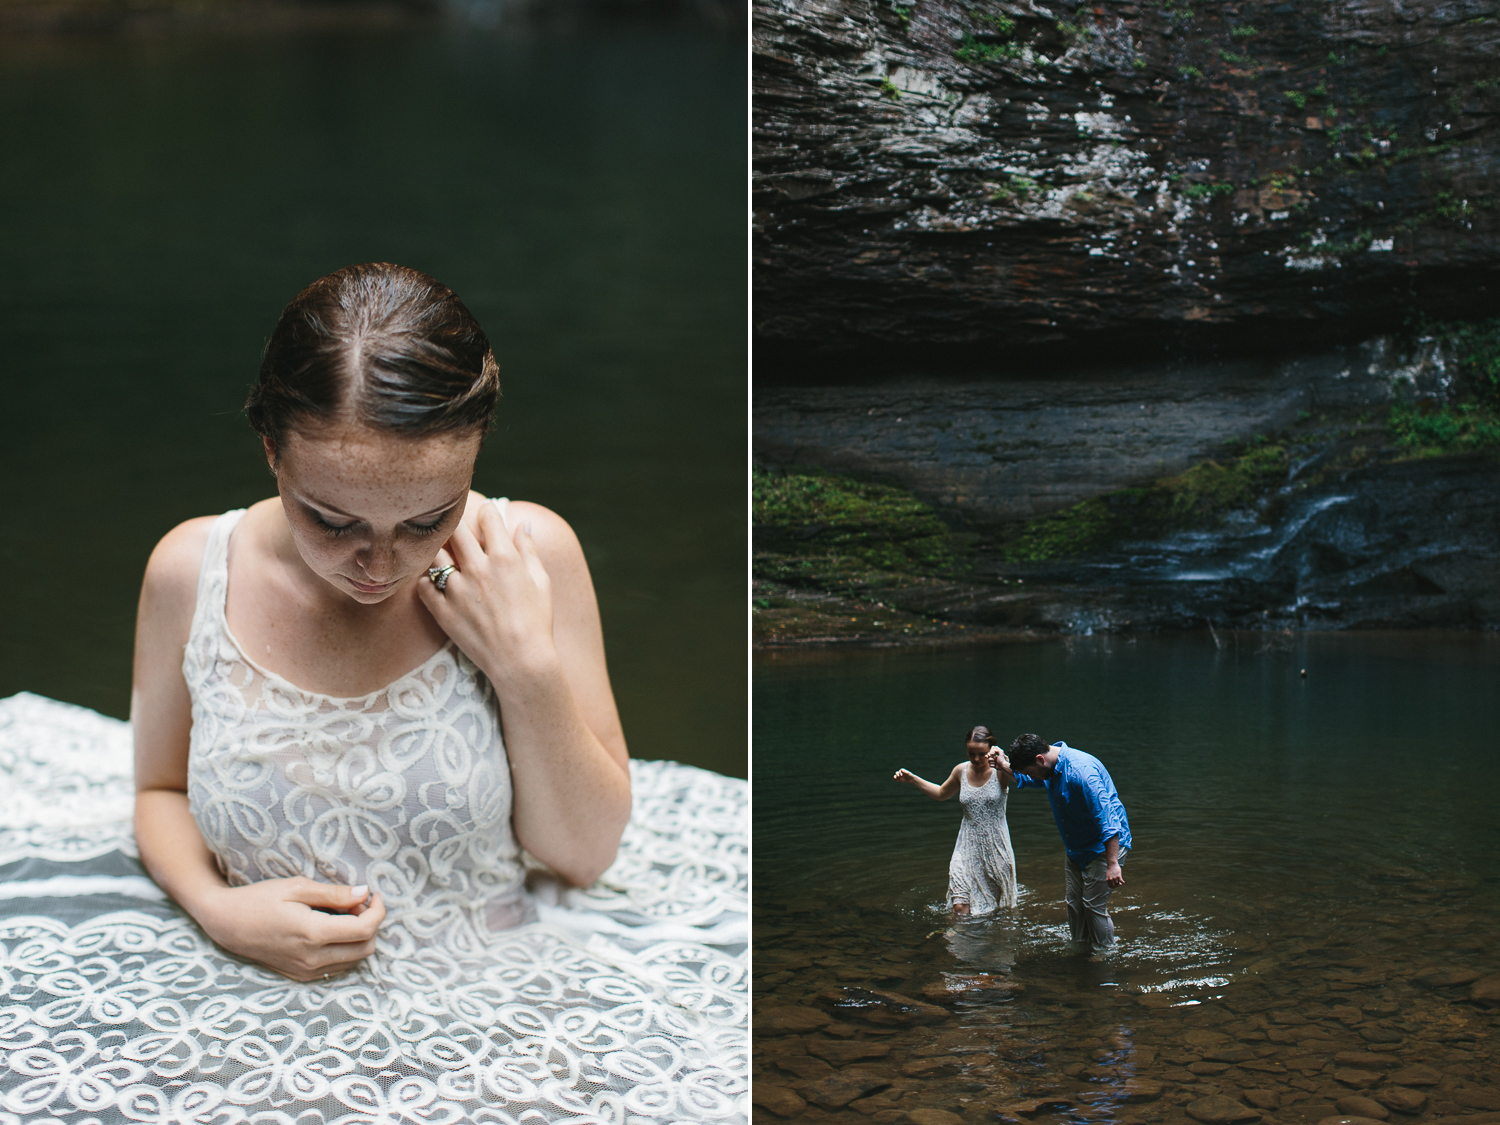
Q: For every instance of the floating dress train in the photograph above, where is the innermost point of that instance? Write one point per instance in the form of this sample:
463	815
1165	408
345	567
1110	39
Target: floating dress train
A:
495	994
982	871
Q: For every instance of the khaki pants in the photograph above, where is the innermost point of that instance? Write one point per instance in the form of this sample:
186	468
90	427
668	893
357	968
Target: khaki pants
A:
1087	895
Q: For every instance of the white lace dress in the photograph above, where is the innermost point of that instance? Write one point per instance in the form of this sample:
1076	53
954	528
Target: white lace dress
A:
486	1001
982	871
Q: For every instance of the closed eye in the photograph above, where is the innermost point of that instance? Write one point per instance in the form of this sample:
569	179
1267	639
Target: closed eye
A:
332	528
429	528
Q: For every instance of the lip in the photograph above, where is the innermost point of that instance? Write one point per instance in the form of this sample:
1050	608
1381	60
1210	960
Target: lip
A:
369	588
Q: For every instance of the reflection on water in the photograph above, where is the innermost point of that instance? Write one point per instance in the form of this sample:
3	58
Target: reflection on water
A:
1308	912
583	195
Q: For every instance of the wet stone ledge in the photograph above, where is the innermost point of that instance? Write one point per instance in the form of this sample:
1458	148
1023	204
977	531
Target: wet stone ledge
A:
1073	508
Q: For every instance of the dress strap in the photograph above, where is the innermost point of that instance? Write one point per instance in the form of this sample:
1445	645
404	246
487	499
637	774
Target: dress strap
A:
213	573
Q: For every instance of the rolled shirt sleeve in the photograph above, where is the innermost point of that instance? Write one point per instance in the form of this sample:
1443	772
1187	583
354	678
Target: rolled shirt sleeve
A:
1085	805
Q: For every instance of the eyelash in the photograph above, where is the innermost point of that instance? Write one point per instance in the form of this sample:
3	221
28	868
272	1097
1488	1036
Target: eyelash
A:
333	529
336	530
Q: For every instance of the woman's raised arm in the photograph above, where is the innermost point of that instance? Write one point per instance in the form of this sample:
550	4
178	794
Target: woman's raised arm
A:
521	606
1001	765
280	922
937	792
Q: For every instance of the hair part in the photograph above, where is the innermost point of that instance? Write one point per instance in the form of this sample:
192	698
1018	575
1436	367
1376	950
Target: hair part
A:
379	344
1025	750
979	736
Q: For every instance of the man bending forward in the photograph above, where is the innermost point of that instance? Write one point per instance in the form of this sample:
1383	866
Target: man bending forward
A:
1093	826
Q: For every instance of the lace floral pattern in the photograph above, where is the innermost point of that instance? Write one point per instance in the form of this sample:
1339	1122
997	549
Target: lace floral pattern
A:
982	871
406	789
624	1003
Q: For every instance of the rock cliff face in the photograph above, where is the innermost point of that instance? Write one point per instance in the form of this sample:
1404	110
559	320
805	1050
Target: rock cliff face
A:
1004	175
989	451
1408	545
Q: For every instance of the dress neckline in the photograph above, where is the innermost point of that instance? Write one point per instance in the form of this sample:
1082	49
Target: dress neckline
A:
221	606
994	773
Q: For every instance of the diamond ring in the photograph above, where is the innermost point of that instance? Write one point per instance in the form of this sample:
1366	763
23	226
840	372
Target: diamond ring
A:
439	575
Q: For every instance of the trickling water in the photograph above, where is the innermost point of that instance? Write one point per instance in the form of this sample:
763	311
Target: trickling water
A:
1309	903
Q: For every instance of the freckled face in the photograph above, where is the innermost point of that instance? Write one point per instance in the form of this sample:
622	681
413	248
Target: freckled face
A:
977	752
369	510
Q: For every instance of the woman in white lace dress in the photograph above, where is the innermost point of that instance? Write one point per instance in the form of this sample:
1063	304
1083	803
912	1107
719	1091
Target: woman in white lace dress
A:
982	872
363	710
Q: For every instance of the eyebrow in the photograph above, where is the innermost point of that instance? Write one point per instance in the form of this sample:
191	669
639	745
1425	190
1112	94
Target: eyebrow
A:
340	512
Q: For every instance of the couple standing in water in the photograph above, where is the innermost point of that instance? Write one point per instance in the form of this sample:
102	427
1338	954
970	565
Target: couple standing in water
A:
1089	816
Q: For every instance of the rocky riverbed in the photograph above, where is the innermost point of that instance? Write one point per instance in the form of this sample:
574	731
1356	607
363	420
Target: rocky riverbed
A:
1383	1007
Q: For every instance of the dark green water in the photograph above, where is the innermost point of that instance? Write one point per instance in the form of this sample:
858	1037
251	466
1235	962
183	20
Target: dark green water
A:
1305	850
163	199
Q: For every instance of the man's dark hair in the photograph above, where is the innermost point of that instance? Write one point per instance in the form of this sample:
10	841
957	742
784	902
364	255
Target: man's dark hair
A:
1025	750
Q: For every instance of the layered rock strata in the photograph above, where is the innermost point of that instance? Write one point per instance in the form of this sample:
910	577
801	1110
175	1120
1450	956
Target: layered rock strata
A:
1118	174
989	450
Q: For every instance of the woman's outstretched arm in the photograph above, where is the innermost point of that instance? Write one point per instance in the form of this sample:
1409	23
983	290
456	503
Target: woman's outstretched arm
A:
521	606
282	923
937	792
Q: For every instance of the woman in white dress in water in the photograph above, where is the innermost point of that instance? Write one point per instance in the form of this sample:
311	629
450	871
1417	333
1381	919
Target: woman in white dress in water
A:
355	704
982	872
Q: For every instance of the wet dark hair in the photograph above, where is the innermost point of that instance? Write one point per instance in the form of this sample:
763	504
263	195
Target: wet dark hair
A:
980	735
379	344
1025	750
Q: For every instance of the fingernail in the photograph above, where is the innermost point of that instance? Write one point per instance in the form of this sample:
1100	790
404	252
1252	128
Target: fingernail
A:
359	893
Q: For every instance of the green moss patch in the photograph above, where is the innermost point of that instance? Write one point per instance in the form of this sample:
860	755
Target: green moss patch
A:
828	530
1424	428
1200	497
1423	431
1475	347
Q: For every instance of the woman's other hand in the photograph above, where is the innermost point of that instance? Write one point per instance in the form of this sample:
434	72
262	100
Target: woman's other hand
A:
497	606
303	929
907	776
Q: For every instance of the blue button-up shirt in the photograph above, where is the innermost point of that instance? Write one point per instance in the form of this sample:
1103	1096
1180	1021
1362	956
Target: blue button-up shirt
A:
1084	804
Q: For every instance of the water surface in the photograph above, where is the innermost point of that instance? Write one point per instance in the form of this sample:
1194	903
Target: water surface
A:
1309	851
583	194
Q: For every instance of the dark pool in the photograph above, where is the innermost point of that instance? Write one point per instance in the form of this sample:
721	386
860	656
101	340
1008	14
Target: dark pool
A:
163	198
1307	919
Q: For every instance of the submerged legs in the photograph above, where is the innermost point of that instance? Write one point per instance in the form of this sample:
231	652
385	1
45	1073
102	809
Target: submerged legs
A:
1087	895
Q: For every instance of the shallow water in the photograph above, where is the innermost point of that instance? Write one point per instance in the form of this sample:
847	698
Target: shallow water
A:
583	195
1308	851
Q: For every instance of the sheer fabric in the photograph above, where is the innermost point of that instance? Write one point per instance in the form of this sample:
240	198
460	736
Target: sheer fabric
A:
982	871
495	994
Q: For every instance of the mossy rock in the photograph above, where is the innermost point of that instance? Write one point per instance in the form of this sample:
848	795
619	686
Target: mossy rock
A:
1199	497
821	522
1424	429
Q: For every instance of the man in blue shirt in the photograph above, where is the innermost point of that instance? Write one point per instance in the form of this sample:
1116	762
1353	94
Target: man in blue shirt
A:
1092	823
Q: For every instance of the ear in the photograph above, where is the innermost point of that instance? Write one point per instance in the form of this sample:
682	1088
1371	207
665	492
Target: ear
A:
270	448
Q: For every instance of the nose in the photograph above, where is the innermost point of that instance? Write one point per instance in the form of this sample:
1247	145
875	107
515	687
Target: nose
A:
378	561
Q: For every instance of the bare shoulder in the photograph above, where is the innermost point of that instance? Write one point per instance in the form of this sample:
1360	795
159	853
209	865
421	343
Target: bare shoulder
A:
555	541
177	558
169	590
549	529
